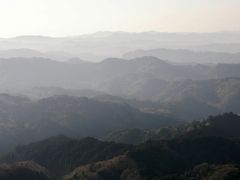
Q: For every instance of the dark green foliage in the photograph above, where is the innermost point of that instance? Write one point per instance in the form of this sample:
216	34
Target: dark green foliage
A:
212	172
129	136
61	154
24	171
225	125
210	141
120	167
169	160
169	157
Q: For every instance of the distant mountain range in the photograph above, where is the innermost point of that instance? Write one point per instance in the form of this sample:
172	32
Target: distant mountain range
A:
22	73
30	53
186	56
184	91
149	106
100	45
188	99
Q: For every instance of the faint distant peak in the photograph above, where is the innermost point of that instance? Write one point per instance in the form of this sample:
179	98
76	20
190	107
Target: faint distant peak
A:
33	37
143	59
150	59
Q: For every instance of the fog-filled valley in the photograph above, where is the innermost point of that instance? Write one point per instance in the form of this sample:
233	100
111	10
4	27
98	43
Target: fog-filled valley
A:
119	105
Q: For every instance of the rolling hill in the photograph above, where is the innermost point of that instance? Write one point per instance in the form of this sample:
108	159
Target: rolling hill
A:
23	120
186	56
25	73
206	149
61	154
225	125
167	160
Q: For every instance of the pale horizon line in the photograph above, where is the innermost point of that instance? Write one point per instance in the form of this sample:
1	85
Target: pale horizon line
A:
127	32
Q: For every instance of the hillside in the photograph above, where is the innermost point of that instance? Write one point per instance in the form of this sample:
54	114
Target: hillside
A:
123	168
165	160
184	91
27	170
226	125
25	73
186	56
22	73
178	159
61	154
23	120
211	91
37	93
206	149
187	99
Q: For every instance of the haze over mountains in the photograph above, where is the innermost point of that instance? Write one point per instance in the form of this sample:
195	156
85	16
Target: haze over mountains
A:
100	45
20	73
180	90
120	90
187	56
117	105
24	121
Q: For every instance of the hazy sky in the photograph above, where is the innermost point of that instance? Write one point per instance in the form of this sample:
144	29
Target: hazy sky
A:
73	17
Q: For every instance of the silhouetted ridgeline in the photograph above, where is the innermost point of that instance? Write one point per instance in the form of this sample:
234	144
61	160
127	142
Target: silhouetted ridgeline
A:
226	125
24	120
179	158
22	73
99	45
196	151
26	170
61	154
186	55
163	113
184	91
